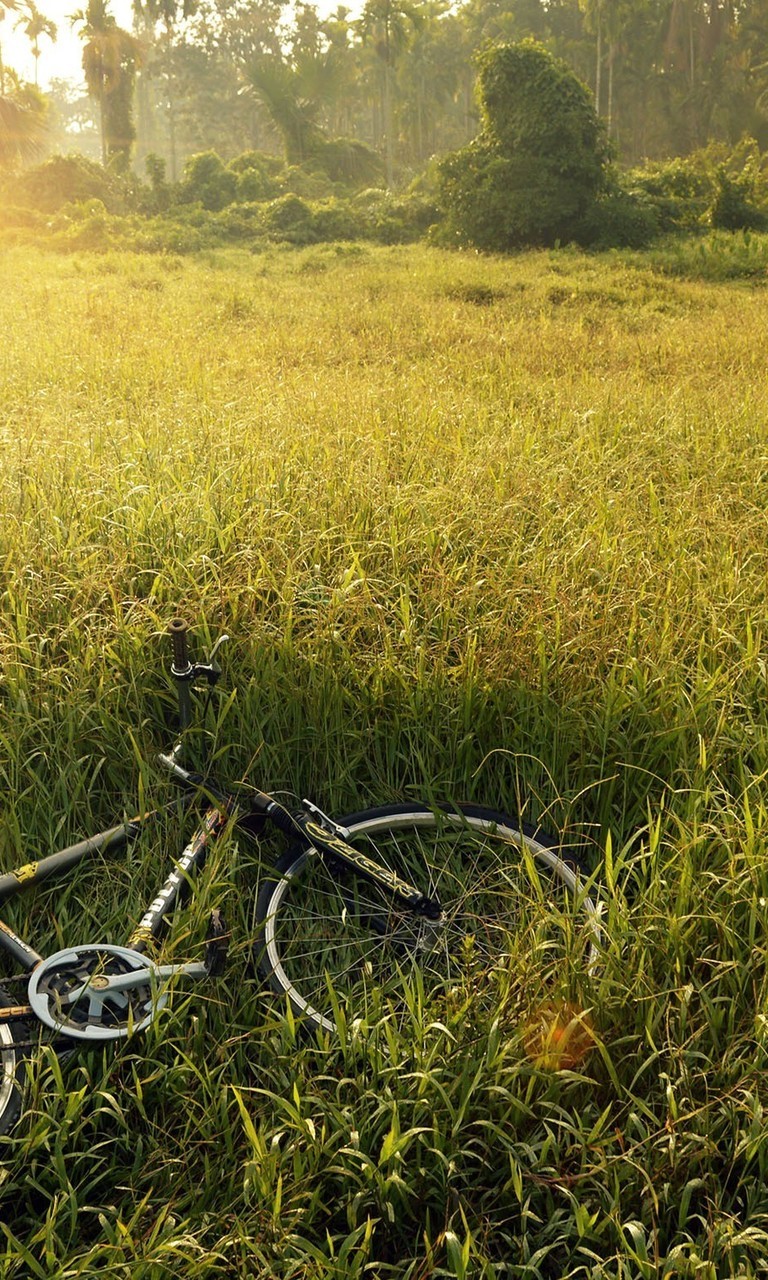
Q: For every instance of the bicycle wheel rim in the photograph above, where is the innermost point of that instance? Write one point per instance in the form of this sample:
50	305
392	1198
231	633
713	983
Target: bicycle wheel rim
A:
11	1066
295	932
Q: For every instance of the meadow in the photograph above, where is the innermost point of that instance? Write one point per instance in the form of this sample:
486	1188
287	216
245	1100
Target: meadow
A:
480	528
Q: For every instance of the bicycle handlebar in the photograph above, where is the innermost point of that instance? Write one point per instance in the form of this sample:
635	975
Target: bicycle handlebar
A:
185	673
177	630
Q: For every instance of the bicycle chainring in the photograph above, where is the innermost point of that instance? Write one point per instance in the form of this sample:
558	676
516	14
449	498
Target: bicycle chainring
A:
69	993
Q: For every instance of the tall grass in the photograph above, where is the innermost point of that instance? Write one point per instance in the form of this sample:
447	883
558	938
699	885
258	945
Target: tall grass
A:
480	529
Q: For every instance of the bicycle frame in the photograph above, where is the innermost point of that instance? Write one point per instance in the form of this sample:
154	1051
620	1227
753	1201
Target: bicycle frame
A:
61	863
308	824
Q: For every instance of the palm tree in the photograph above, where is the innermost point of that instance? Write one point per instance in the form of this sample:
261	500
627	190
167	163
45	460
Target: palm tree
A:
168	12
293	110
387	24
35	25
110	58
22	127
6	6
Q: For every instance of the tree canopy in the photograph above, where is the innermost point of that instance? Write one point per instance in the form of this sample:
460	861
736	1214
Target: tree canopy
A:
665	76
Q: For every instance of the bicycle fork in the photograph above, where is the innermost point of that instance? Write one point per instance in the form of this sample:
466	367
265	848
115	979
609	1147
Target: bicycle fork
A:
330	840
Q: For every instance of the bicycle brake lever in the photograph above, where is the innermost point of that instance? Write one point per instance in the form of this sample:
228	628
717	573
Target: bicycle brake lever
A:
212	656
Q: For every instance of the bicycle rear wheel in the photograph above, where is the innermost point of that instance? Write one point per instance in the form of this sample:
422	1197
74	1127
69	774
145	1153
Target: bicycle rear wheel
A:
11	1066
511	903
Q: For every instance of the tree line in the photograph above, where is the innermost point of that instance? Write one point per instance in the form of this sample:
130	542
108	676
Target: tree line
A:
397	76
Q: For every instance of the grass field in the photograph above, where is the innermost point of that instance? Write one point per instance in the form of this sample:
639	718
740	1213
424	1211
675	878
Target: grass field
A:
480	529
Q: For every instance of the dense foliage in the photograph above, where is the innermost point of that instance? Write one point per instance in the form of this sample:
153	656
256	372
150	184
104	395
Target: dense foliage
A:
665	78
256	199
253	200
538	166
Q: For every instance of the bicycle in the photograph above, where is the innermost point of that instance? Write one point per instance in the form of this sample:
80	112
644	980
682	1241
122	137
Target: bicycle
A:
353	911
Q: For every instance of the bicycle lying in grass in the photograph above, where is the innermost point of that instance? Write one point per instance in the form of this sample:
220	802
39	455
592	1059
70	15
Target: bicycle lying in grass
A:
353	913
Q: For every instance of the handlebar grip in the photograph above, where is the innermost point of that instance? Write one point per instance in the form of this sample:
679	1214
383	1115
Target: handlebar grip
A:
177	630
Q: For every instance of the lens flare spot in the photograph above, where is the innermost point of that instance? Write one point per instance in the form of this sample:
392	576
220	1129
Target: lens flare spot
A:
558	1036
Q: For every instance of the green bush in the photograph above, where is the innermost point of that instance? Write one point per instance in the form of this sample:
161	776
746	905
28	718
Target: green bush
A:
160	193
619	219
717	186
335	220
67	180
680	191
79	212
539	164
256	174
262	161
309	184
347	161
13	216
95	230
733	207
398	220
161	235
289	218
255	184
239	221
208	181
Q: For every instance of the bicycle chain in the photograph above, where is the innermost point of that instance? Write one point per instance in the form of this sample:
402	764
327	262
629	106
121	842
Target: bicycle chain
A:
58	1046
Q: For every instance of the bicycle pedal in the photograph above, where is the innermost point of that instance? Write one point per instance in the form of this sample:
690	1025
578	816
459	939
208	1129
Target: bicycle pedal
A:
216	945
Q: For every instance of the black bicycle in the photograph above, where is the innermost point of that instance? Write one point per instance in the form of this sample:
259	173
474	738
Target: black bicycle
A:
354	917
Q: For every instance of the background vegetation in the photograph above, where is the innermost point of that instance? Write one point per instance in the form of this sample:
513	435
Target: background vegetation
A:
307	129
397	74
394	75
483	528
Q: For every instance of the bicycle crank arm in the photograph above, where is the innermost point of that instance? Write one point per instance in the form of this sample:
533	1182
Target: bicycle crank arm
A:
135	978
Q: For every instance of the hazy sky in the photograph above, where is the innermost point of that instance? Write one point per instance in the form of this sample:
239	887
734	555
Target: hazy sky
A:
61	59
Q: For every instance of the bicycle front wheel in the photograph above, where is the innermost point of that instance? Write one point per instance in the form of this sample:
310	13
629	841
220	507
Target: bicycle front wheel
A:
512	907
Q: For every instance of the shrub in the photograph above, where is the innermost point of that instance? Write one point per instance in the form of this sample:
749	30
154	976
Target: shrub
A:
256	173
68	180
335	220
289	218
679	190
308	183
159	191
13	216
619	219
239	221
733	207
255	184
164	236
262	161
540	161
396	220
716	186
348	161
208	181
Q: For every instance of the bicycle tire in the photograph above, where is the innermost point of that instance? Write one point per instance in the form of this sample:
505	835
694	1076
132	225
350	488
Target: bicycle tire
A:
11	1066
327	939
